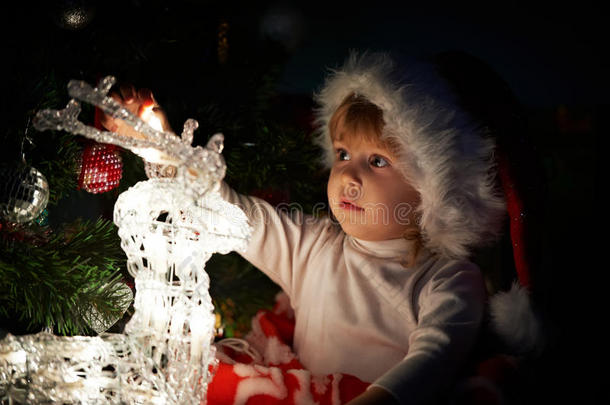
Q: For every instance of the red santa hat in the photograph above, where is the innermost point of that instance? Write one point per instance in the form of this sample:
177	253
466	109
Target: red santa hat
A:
490	101
441	150
445	116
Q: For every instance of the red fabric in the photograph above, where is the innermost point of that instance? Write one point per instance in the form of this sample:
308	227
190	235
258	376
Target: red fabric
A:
278	377
515	208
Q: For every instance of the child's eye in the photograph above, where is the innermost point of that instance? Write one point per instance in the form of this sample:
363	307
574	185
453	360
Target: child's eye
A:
342	154
378	161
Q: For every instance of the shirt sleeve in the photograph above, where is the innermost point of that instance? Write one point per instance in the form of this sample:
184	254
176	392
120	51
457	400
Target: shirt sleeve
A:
450	316
282	239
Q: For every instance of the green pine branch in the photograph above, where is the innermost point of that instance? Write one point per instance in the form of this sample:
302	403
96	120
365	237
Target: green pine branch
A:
57	153
280	158
60	167
54	285
54	153
238	291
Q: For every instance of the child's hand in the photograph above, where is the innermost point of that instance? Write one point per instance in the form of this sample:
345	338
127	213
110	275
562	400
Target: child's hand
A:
137	102
374	396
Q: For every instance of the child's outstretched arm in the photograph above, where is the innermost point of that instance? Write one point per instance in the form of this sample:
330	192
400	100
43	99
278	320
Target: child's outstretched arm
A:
282	240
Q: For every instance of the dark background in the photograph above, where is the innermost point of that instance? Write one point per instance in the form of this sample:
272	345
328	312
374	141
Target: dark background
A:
553	57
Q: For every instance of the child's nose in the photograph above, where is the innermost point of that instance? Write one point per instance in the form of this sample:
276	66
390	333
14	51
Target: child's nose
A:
351	175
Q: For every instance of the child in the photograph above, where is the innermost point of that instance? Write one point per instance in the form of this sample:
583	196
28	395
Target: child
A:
383	291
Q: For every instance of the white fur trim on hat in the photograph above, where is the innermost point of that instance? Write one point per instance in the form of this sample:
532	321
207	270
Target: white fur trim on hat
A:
442	151
515	322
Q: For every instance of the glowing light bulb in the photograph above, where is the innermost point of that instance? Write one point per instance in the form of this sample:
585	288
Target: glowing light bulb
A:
150	116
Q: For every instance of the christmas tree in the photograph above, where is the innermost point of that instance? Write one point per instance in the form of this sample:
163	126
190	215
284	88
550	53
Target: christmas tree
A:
61	260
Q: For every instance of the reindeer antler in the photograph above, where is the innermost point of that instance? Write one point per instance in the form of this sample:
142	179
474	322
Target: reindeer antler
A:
203	166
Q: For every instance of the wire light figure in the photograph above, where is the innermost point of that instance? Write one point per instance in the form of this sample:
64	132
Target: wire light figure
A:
169	228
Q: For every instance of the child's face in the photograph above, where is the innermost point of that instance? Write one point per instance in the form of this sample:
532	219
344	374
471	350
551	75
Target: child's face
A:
368	195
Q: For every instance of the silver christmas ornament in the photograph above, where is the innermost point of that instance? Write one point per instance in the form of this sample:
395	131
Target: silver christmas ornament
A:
24	194
73	15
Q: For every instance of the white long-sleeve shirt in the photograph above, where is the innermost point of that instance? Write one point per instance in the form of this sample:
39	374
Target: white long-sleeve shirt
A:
358	310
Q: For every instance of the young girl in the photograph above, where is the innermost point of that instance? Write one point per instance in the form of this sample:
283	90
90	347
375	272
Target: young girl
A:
383	290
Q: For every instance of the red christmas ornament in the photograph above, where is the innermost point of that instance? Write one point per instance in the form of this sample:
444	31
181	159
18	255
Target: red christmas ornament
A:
101	168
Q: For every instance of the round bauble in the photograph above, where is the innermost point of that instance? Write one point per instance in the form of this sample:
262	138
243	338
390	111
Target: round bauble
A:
24	194
100	168
73	15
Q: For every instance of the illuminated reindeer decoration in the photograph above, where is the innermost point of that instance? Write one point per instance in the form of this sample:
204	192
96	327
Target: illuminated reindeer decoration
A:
169	228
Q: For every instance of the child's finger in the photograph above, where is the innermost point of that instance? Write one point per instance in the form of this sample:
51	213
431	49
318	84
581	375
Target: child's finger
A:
146	97
128	93
108	122
116	97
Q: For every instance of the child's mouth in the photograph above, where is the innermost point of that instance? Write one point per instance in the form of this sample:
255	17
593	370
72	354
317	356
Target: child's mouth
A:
347	205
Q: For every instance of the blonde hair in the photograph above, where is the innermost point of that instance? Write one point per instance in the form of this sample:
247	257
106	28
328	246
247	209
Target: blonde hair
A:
355	117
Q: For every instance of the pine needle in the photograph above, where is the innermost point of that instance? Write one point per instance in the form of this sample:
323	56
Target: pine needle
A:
54	286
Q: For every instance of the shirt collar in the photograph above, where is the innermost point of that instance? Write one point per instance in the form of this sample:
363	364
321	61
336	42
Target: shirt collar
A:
387	249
